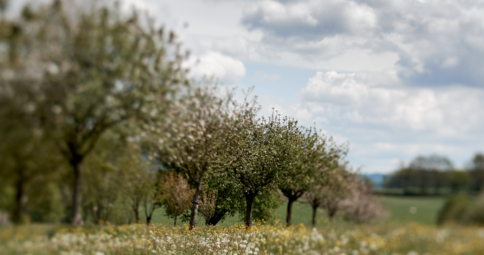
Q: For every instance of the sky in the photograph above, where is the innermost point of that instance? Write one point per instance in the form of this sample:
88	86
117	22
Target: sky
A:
394	78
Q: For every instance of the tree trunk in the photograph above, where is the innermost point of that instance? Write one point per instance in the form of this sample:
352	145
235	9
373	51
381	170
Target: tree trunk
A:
19	207
150	207
99	213
196	199
331	213
249	199
315	209
216	218
176	216
136	213
289	211
94	210
76	194
292	196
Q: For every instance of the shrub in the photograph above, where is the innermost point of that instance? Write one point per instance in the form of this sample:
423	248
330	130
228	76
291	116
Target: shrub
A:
361	206
456	209
476	214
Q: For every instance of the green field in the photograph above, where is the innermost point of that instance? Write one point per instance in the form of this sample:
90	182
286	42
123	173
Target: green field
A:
425	209
399	209
301	214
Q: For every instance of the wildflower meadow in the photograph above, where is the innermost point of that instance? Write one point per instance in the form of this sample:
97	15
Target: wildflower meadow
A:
387	238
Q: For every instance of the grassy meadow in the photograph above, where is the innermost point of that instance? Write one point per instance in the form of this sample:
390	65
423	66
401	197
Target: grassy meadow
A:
422	210
409	230
382	238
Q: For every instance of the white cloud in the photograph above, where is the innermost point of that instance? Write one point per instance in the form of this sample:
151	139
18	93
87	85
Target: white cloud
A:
406	150
265	77
277	13
450	62
437	42
235	46
354	97
360	17
225	69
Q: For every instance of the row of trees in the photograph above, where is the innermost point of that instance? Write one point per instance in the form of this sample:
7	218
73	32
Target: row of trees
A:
99	116
438	173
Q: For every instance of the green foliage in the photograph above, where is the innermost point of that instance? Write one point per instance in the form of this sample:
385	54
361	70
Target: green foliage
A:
459	180
475	215
435	175
230	198
7	193
310	157
264	146
74	74
265	205
47	204
421	175
476	170
195	138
